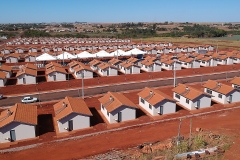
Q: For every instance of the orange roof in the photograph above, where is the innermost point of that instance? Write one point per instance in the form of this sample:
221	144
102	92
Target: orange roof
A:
236	80
153	96
28	71
55	69
218	87
33	54
15	55
112	100
31	66
81	66
3	75
22	113
51	64
188	92
94	62
114	61
70	105
5	68
127	64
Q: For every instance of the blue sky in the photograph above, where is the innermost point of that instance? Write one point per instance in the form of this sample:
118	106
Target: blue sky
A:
33	11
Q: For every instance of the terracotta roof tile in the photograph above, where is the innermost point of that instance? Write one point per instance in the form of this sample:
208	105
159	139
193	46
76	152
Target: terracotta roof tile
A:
22	113
28	71
3	75
31	66
5	68
154	96
188	92
218	87
236	80
55	69
112	100
70	105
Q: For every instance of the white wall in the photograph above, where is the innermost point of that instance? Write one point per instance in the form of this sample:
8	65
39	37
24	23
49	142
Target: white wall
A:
224	100
205	101
3	82
79	122
29	79
127	114
11	60
87	74
23	131
59	76
168	107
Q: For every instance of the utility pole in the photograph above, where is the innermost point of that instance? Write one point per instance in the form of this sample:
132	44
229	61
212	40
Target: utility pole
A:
82	86
174	73
179	128
190	134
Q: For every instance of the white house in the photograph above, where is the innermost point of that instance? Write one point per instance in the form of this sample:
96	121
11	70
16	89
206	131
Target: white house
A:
3	78
80	70
94	63
6	69
190	63
26	76
115	62
71	114
31	57
236	82
171	65
191	98
117	108
156	102
105	69
18	123
129	68
225	60
221	93
12	58
55	73
151	66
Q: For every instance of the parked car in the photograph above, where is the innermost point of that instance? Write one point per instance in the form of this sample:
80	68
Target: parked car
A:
1	96
29	99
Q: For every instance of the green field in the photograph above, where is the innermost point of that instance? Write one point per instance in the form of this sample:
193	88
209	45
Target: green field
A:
233	38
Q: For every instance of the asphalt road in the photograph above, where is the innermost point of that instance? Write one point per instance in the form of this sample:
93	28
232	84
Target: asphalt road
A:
90	91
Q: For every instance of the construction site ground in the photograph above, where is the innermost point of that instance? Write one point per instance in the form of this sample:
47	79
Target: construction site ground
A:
102	137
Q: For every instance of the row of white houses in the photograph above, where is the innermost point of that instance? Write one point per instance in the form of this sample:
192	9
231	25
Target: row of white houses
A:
50	40
132	65
74	114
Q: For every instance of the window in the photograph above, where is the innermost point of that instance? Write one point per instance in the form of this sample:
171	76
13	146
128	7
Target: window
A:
166	65
203	62
142	100
219	96
187	101
185	63
102	107
107	113
177	96
209	91
150	106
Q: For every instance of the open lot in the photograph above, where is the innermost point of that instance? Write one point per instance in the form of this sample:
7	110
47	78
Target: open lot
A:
123	135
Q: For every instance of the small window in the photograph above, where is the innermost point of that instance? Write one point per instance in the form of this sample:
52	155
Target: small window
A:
209	91
150	106
102	107
142	100
219	96
107	113
187	101
177	96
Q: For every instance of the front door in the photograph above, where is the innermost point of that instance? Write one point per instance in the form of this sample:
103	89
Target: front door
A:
161	110
131	70
24	80
119	116
230	98
198	104
108	72
70	125
13	135
54	77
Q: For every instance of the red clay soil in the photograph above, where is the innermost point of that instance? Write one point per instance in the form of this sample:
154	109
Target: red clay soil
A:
48	86
225	123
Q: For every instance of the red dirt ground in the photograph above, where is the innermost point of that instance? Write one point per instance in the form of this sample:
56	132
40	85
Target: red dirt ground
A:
47	86
225	122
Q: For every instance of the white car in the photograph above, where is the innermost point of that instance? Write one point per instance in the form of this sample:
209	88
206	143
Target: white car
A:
29	99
